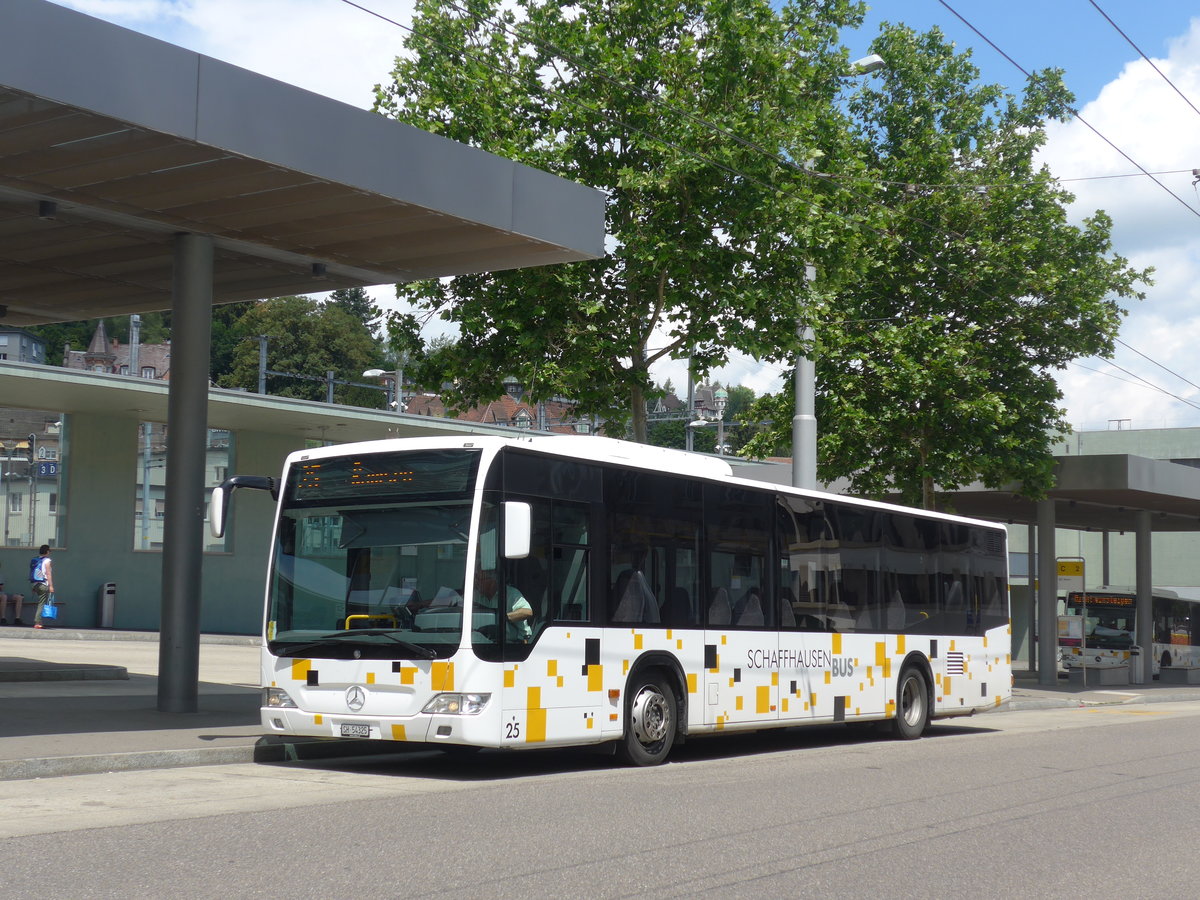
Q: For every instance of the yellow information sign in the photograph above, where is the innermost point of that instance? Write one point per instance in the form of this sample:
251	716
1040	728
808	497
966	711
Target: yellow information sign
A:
1070	575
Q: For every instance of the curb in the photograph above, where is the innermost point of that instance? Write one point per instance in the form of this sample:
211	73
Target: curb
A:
1019	703
37	672
105	634
264	750
55	766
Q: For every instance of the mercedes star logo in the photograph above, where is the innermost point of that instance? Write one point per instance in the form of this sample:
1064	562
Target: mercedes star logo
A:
356	697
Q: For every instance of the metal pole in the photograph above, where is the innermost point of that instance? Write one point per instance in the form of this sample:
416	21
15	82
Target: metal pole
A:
690	433
32	491
135	345
7	473
187	426
1104	559
262	363
804	422
329	373
146	496
401	361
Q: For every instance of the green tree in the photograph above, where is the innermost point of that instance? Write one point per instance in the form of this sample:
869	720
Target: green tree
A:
936	368
226	337
305	338
358	303
681	113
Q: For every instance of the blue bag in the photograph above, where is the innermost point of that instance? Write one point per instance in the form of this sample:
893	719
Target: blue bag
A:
49	610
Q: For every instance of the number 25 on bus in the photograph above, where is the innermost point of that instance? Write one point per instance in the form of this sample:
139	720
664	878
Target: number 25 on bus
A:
556	591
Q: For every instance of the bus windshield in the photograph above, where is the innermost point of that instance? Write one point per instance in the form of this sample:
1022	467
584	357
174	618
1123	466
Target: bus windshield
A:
1107	627
371	556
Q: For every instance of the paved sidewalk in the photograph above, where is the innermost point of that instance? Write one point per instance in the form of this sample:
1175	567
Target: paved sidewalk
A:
77	701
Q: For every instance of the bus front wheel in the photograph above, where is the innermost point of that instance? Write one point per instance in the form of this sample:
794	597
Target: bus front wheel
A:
912	705
650	723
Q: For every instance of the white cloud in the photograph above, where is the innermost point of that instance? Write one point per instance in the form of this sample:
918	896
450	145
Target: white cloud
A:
324	46
1141	114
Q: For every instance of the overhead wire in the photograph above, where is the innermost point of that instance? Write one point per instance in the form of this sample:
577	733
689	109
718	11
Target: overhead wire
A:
1160	72
1139	382
1073	111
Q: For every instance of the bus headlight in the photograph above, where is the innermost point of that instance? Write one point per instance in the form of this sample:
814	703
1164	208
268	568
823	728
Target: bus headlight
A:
457	704
277	698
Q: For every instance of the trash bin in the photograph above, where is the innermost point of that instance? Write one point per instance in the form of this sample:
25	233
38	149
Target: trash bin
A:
108	604
1136	674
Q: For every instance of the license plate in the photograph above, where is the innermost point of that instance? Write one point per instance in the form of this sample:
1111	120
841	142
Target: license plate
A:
354	730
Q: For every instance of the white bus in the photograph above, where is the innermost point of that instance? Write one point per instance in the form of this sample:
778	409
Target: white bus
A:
554	591
1110	631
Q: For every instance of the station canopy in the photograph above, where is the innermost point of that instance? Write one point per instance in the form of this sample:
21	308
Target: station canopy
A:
111	143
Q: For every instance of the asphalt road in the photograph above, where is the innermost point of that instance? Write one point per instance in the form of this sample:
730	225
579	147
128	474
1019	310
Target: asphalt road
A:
1047	803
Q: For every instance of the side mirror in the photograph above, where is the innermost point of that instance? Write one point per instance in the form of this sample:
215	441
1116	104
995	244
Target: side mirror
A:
518	526
218	503
218	508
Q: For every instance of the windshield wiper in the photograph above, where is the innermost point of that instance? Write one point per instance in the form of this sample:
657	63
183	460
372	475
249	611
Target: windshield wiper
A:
337	637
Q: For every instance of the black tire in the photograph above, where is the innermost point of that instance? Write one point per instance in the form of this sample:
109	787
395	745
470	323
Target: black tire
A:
651	721
912	705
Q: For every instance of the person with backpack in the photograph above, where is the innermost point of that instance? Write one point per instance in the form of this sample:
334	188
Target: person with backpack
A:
41	576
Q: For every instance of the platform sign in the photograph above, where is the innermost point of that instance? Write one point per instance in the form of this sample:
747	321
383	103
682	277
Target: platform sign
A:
1070	574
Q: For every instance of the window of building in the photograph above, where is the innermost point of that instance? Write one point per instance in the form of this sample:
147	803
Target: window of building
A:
150	481
148	372
32	462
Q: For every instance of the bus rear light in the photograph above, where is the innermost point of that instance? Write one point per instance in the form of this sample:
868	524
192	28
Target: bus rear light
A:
614	694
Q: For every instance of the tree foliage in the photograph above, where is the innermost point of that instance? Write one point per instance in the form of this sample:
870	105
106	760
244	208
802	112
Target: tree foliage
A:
936	368
305	338
358	303
681	112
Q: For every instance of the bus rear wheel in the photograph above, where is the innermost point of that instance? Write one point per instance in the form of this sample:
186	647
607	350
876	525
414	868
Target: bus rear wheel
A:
912	705
650	722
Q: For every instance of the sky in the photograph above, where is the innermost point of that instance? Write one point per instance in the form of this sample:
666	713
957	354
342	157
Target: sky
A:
338	49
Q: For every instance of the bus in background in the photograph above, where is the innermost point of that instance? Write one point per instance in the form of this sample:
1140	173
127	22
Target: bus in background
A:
543	591
1110	630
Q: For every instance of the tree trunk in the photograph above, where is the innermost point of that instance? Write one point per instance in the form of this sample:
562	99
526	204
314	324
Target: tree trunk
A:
928	497
637	409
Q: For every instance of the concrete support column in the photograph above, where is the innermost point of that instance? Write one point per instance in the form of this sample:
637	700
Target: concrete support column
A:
187	442
1031	570
1047	595
1144	620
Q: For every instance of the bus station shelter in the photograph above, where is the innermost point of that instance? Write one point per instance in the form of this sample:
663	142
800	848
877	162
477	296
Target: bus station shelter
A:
1110	493
1106	493
136	176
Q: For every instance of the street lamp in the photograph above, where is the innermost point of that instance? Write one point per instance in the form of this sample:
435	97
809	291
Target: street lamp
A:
394	379
804	422
871	63
720	398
